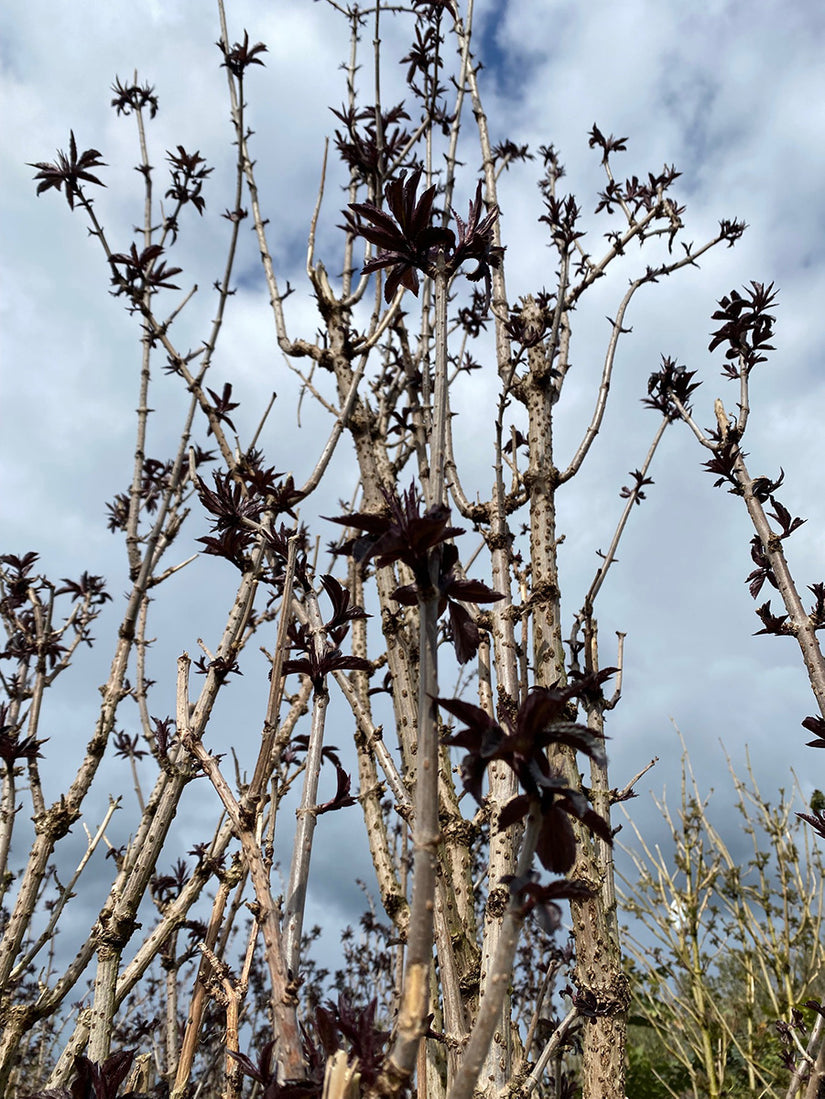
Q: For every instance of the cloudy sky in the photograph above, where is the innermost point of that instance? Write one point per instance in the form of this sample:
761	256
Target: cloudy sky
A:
733	93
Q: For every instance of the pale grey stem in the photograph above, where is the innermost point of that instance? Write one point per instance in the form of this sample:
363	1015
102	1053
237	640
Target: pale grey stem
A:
415	994
610	556
500	974
375	741
282	1000
802	626
66	893
555	1040
604	386
173	917
436	491
296	892
7	815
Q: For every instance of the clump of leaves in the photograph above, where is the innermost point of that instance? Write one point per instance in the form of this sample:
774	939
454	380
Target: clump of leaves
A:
188	173
222	405
29	635
16	579
12	747
540	900
400	533
356	1026
452	587
542	722
138	273
410	242
239	499
404	533
134	97
230	505
342	798
634	491
69	171
264	1071
360	147
746	329
95	1081
334	1027
241	55
668	382
723	462
323	656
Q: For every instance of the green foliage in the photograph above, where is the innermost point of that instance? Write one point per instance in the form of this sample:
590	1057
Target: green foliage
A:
726	950
651	1073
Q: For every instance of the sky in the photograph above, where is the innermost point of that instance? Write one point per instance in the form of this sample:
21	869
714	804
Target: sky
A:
732	93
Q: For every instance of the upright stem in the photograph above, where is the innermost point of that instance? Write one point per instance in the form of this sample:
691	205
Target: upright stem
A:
499	977
437	489
415	995
282	994
302	849
802	626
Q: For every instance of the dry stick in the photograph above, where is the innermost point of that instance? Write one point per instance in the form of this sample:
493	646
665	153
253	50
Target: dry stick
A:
598	961
141	692
601	400
8	812
171	1030
313	225
341	422
415	994
604	386
601	801
283	1003
227	993
632	498
455	1019
368	740
464	32
555	1040
812	1066
173	917
116	922
501	779
135	490
55	823
818	1068
354	181
802	626
236	101
375	742
500	974
265	761
549	973
224	291
66	893
233	992
373	734
117	919
198	1005
302	848
306	812
437	492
